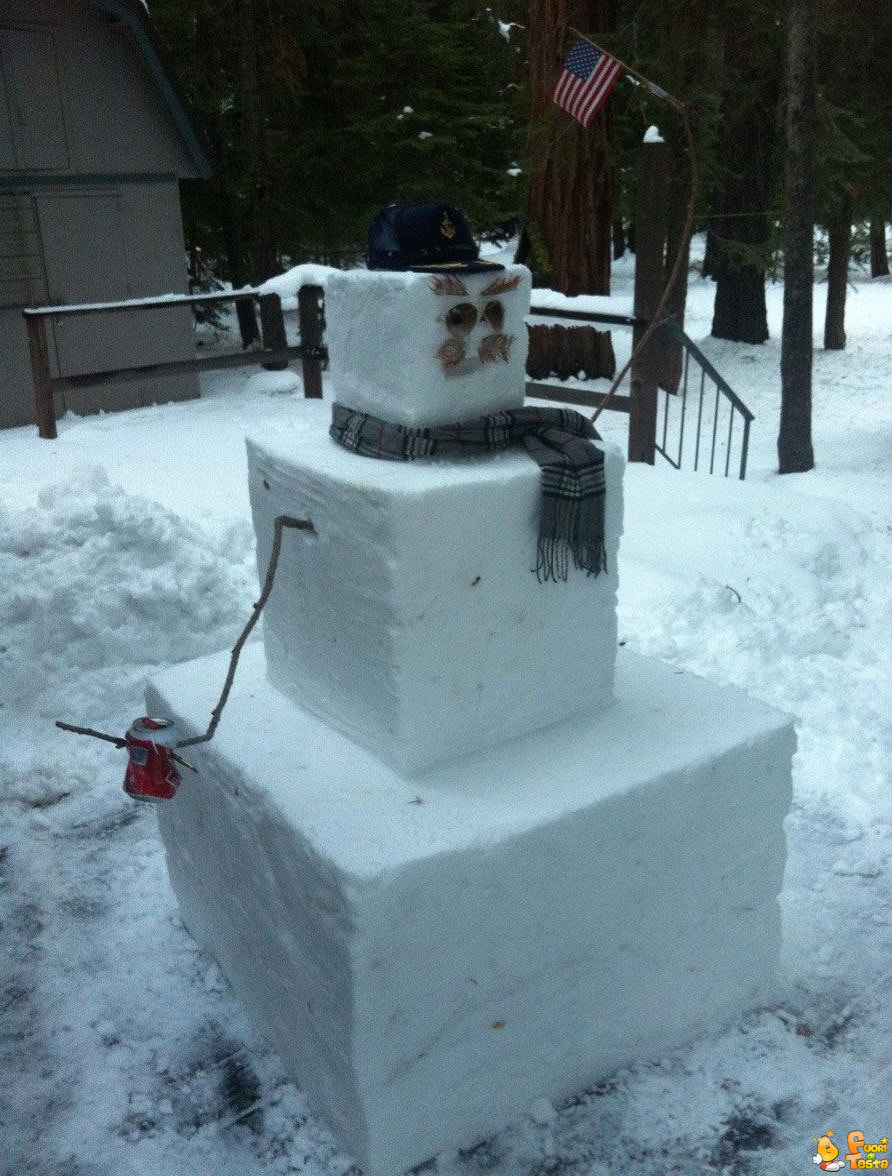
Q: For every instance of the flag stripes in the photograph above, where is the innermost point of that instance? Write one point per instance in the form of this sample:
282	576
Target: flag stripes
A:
585	81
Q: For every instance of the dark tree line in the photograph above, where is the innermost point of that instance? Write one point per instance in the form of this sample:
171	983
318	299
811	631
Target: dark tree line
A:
320	114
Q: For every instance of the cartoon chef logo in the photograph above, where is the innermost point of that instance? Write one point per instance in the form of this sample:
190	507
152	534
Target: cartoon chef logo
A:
828	1153
861	1154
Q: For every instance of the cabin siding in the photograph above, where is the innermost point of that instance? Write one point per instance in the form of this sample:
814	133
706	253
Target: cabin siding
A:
98	106
22	276
97	243
90	158
35	112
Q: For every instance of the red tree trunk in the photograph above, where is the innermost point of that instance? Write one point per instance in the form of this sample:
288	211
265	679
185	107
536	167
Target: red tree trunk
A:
571	192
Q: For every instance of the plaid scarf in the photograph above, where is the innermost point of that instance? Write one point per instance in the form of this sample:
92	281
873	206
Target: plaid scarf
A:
571	520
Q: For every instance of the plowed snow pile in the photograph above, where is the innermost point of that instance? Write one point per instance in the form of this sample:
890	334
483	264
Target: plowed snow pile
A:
96	587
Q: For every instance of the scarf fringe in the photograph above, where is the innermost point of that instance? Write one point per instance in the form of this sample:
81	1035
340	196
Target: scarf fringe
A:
560	441
565	531
553	559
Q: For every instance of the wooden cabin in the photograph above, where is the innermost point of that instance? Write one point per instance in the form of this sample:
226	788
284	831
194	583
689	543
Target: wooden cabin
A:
95	136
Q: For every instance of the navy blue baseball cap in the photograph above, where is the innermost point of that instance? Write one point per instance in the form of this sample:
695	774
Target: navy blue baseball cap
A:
424	238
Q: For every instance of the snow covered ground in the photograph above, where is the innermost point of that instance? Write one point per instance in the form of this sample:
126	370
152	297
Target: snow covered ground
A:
126	545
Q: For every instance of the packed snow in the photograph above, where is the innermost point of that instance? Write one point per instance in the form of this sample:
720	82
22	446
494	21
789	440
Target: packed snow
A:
372	925
453	644
388	336
126	546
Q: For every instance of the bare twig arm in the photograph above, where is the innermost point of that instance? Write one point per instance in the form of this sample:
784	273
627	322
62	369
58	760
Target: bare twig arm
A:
280	523
115	739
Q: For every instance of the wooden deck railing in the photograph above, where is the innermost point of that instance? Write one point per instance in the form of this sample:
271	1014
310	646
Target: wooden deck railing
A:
273	353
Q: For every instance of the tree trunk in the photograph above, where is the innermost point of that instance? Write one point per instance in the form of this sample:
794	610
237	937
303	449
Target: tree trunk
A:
794	443
254	133
571	193
840	237
746	158
707	269
739	310
221	184
879	259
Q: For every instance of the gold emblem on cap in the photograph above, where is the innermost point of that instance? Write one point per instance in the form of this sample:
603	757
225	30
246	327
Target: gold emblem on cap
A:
447	228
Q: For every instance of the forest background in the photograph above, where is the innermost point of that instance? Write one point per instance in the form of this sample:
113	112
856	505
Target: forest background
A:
319	115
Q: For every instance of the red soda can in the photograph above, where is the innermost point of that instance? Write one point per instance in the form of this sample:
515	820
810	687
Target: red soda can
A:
151	772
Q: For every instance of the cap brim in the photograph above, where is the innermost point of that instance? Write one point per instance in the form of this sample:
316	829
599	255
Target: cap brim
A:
457	267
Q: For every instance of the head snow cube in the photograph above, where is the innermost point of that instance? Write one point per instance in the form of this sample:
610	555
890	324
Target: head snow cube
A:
428	349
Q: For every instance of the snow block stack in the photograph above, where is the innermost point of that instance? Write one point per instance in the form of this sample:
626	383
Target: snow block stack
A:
447	866
431	954
411	619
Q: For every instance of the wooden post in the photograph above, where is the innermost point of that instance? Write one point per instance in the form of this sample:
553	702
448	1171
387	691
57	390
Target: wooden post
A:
312	324
44	409
272	326
650	279
247	321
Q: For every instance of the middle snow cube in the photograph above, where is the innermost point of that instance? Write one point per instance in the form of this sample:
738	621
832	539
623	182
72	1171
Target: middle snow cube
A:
412	619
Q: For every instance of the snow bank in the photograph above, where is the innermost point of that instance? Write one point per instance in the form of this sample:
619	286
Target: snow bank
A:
793	611
95	585
96	577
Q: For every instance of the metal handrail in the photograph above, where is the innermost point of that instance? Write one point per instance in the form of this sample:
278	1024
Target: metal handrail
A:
722	389
716	376
622	403
587	316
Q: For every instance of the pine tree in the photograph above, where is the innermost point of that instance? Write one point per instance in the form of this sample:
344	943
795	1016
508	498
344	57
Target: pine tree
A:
322	114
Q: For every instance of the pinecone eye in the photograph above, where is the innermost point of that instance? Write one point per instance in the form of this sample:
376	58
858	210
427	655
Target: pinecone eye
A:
494	315
462	318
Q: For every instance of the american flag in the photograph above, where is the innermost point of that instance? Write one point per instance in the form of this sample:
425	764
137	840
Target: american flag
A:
587	78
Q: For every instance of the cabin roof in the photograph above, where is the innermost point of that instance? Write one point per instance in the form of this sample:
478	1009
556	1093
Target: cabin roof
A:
134	14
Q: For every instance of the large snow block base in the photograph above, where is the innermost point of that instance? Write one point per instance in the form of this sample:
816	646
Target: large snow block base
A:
411	618
431	955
